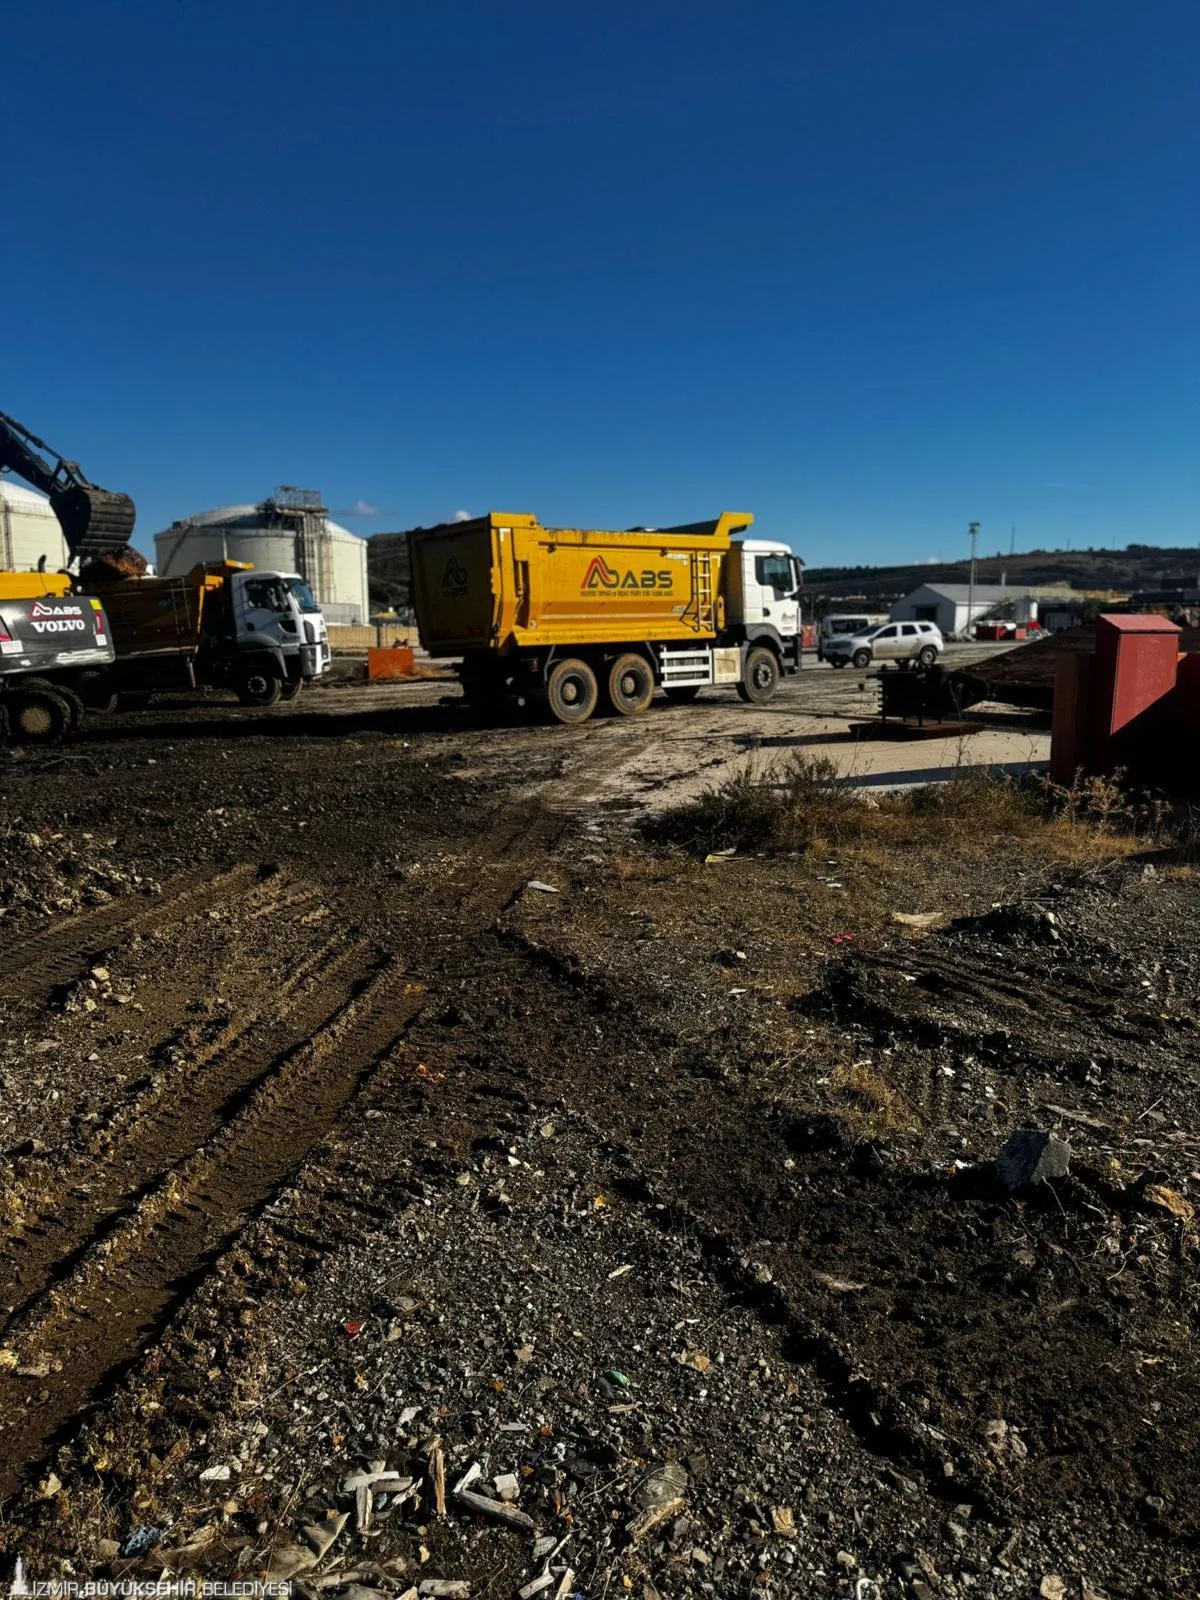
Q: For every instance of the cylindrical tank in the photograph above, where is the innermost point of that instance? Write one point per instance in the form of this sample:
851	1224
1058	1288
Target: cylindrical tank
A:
333	561
29	531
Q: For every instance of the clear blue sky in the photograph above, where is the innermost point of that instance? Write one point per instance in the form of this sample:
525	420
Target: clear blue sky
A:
868	268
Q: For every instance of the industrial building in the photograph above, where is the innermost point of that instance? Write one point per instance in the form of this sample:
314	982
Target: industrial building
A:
955	607
30	535
290	532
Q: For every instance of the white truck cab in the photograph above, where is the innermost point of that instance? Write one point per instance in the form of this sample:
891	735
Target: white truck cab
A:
762	589
280	608
314	648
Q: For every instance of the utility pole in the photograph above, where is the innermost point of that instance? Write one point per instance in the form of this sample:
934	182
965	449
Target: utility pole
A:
973	532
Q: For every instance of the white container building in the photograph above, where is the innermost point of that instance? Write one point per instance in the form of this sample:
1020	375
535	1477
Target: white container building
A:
30	534
290	533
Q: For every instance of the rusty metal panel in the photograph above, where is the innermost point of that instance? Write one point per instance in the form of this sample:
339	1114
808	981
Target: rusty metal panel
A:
1137	662
1070	730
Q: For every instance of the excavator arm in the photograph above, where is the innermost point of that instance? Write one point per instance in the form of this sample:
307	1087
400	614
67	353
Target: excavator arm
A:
96	523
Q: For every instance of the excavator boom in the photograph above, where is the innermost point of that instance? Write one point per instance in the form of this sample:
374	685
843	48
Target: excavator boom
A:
96	523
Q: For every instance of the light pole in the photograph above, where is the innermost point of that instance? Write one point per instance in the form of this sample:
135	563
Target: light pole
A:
973	531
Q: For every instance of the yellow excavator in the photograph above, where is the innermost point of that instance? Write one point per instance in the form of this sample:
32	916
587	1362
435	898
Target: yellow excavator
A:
55	645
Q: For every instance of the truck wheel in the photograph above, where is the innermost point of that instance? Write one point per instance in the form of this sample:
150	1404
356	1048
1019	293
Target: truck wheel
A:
290	689
69	698
37	715
630	685
928	656
760	679
861	659
837	662
572	691
258	686
682	694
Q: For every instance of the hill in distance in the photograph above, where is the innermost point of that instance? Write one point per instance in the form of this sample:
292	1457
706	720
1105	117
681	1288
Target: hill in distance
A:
1137	566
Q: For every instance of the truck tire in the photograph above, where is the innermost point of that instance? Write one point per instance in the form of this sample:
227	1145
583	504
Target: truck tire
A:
37	714
630	685
258	686
861	659
72	701
572	691
760	676
290	689
682	694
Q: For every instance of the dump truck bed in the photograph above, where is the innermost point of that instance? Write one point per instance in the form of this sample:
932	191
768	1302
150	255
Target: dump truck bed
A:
504	582
162	614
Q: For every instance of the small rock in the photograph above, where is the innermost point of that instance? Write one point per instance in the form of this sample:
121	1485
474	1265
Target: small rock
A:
49	1486
660	1485
217	1474
506	1486
783	1521
1031	1156
143	1538
1052	1587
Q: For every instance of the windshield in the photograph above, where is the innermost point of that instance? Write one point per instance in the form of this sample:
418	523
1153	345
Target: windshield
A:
303	595
267	594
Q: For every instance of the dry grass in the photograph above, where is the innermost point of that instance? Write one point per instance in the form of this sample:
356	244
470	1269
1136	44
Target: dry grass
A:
784	808
867	1104
805	805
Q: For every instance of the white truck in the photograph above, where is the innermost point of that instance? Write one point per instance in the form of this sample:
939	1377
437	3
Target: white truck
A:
221	626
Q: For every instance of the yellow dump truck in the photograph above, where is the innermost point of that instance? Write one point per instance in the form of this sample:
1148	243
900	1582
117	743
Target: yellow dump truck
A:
572	615
221	625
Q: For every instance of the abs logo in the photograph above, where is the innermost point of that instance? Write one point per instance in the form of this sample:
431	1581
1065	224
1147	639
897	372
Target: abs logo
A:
454	580
600	575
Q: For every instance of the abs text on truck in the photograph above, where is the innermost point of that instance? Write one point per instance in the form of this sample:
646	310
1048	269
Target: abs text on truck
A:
581	618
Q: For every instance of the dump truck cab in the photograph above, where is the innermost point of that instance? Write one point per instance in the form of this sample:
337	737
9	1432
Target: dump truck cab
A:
763	582
314	634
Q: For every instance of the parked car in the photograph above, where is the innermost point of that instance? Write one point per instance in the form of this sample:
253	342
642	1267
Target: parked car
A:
921	642
844	622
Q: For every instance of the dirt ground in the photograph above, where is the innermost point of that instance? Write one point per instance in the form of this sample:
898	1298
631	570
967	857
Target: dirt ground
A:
375	1096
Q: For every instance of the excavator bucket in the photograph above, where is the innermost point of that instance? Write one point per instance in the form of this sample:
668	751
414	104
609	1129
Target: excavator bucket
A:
95	522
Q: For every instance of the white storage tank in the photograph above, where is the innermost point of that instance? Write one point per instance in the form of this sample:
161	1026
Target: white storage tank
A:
291	532
29	531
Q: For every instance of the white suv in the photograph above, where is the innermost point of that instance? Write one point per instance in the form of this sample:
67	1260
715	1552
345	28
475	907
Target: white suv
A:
921	642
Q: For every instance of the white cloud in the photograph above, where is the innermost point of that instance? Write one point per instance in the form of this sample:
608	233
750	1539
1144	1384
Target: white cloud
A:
461	516
364	508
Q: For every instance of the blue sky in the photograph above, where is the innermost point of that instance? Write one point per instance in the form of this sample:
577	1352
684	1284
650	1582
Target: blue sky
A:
869	268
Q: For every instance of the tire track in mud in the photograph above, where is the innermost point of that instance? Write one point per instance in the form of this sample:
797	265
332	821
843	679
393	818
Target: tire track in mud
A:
97	1277
179	1115
38	964
76	1340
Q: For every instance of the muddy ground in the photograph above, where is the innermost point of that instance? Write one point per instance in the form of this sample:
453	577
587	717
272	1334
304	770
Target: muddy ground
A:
331	1146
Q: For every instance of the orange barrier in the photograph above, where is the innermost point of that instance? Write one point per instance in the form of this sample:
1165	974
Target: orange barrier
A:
394	662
